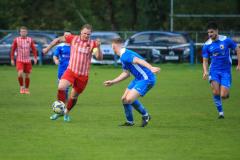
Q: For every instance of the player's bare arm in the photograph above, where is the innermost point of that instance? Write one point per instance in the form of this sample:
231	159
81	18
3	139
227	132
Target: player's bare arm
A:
54	43
56	60
34	50
98	53
146	64
13	48
238	55
124	75
205	68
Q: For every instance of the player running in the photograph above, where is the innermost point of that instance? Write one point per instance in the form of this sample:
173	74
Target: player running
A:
78	68
23	45
144	80
217	47
61	58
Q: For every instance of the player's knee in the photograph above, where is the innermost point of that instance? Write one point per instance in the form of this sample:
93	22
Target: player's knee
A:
61	88
127	101
225	96
123	99
74	96
216	92
27	75
20	73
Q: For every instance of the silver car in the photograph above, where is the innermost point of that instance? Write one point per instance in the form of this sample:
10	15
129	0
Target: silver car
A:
106	47
41	40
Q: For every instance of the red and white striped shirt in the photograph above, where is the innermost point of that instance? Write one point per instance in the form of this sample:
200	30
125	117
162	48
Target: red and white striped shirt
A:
23	46
81	54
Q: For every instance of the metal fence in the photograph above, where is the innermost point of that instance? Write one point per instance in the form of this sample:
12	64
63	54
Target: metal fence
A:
198	39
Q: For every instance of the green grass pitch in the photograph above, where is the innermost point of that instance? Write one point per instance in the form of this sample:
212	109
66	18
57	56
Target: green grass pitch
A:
184	121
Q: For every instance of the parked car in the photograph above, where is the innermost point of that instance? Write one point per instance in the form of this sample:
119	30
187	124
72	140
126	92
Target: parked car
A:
159	46
106	47
234	57
41	40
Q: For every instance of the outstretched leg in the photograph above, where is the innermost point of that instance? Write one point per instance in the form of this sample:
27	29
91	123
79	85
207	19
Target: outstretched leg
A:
217	98
127	110
131	98
61	95
27	83
20	81
224	92
62	87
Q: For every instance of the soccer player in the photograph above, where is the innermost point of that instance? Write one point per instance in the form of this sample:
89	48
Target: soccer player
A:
61	58
144	80
78	68
217	47
23	45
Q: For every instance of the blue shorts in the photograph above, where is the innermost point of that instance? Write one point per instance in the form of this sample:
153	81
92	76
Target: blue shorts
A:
224	78
142	86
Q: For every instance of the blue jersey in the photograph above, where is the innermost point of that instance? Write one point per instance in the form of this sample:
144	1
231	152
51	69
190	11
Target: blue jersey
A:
63	53
219	53
138	71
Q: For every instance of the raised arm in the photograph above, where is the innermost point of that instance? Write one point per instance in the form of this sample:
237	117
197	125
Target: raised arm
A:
53	43
125	74
98	53
146	64
205	68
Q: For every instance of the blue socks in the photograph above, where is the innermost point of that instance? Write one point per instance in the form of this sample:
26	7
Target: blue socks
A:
139	107
128	112
218	103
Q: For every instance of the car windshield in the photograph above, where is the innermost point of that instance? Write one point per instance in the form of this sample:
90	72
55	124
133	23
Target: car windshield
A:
158	39
105	39
8	39
39	39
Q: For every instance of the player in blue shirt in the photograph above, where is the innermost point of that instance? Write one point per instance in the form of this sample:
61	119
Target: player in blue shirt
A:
144	80
217	48
61	57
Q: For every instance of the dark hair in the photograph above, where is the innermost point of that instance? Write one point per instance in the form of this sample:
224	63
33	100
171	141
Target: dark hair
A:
67	31
117	40
212	25
87	26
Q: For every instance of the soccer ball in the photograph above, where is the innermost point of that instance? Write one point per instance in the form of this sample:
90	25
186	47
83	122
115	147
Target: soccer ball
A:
58	107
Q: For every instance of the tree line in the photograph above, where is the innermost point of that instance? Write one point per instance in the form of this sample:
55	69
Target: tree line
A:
115	15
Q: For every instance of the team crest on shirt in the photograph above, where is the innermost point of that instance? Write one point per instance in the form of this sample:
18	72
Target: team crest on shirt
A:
221	46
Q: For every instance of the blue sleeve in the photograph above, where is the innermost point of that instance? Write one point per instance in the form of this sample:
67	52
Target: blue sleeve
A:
124	67
231	44
128	58
57	51
205	53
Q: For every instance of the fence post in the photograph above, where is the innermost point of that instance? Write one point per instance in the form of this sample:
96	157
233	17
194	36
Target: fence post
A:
40	54
191	52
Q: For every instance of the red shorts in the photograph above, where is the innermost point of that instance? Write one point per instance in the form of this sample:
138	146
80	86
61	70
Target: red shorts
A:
23	66
78	82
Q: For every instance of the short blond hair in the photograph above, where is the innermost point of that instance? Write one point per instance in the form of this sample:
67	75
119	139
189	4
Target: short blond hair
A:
87	26
23	27
117	41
